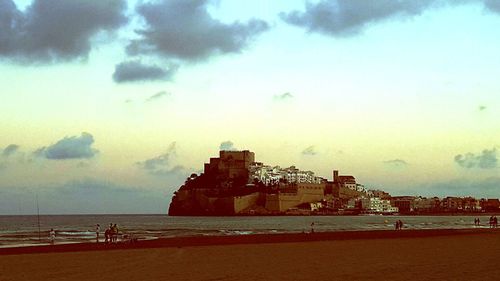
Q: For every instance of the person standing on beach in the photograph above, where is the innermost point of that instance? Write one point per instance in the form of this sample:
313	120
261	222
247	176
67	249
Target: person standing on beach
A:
491	222
312	227
108	233
52	236
495	221
114	231
97	231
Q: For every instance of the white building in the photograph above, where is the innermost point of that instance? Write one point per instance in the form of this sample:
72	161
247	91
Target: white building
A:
270	175
377	205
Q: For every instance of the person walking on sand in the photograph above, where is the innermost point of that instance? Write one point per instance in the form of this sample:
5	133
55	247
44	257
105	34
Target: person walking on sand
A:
52	236
400	224
97	232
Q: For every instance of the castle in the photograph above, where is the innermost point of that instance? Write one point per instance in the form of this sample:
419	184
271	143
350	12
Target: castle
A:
235	184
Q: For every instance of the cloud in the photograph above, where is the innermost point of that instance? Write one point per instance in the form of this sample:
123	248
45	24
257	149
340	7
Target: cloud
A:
492	5
396	163
350	17
135	71
9	150
311	150
482	107
158	95
227	146
486	160
69	148
55	30
162	165
185	30
284	96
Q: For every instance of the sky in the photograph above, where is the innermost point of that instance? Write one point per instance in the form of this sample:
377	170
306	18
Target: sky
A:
107	106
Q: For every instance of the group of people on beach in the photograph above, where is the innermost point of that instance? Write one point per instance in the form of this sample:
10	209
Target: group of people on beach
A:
493	222
110	234
398	225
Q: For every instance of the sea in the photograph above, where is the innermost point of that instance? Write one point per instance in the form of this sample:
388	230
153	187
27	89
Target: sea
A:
18	231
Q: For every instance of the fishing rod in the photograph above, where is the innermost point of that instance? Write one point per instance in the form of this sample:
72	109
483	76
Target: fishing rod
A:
38	217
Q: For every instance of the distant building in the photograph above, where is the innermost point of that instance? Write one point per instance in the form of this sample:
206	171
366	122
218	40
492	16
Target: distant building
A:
403	203
378	193
377	205
471	204
490	205
426	205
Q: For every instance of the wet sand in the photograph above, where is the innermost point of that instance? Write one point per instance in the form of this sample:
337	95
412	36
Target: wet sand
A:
363	255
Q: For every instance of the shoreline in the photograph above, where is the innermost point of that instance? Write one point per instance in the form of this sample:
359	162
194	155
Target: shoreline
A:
197	241
415	214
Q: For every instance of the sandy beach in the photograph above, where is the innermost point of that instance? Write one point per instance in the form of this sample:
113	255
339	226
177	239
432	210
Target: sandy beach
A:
363	255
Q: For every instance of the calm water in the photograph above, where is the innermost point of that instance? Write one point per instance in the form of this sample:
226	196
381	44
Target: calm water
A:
23	230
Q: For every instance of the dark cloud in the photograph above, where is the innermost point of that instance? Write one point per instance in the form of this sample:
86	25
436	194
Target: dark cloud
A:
492	5
185	30
349	17
346	17
311	150
55	30
158	95
396	163
69	148
10	149
162	165
135	71
227	146
486	160
284	96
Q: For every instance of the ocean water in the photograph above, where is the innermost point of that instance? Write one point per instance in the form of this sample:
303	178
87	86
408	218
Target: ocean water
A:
23	230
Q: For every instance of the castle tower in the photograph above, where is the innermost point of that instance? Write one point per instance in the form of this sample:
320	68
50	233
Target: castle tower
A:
335	176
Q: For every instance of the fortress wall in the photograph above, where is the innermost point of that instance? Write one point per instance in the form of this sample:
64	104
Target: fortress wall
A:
272	202
311	193
306	193
289	200
243	202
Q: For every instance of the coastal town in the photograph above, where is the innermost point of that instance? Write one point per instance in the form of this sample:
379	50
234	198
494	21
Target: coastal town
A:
235	184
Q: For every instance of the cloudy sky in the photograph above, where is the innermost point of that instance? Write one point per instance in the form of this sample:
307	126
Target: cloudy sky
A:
106	106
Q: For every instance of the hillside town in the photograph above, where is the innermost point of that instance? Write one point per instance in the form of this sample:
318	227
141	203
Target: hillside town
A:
235	184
